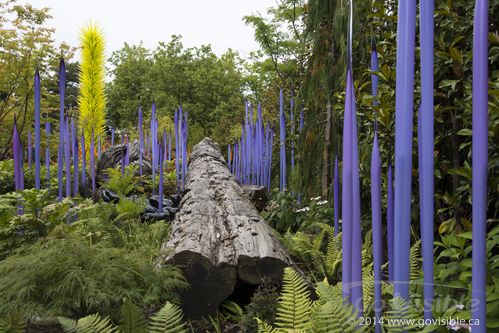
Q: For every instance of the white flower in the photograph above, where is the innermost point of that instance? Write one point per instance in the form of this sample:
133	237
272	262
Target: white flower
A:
304	209
322	202
460	307
316	198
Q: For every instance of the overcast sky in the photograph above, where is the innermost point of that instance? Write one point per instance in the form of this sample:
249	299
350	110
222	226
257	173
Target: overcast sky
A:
215	22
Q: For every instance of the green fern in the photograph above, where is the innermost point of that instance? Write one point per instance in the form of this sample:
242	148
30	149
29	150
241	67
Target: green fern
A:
415	265
293	308
297	313
13	324
68	325
122	184
368	291
334	316
263	327
90	324
403	317
325	258
367	249
167	320
132	320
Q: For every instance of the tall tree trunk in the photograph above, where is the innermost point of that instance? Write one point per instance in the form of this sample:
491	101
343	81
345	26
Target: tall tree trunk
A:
325	151
456	163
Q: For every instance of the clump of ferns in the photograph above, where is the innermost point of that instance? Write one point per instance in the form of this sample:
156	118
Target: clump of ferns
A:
296	312
169	319
319	249
329	313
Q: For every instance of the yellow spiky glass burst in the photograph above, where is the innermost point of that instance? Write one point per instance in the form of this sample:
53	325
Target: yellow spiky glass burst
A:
92	97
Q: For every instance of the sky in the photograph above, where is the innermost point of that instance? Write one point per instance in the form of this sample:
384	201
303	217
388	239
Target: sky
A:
215	22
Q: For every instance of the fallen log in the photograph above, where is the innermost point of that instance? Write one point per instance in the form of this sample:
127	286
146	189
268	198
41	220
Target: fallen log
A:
218	238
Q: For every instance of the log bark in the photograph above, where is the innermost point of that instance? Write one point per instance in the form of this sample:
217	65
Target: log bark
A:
112	157
257	195
218	238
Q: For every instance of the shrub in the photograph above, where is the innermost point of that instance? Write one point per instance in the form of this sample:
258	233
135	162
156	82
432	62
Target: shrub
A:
73	277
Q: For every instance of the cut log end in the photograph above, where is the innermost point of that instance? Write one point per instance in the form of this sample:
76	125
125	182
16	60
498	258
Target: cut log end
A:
218	239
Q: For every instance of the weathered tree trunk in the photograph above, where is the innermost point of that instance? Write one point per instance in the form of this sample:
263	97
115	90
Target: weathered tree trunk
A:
113	156
218	238
325	152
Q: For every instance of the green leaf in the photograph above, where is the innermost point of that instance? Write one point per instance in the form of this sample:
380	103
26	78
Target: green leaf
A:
132	320
448	83
467	235
465	132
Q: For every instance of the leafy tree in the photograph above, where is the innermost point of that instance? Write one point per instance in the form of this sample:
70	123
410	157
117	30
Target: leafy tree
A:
209	87
131	86
26	43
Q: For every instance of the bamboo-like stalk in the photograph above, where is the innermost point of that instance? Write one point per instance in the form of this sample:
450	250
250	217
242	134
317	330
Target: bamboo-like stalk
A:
480	165
37	129
47	154
83	160
377	231
16	153
177	145
30	150
18	162
92	161
346	202
389	222
170	146
426	26
165	144
74	144
127	154
98	147
282	143
160	183
141	140
336	198
357	290
60	151
404	105
67	156
376	197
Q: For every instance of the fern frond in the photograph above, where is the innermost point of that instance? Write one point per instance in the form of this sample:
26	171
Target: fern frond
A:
327	292
368	291
304	245
294	306
367	247
404	317
263	327
91	97
415	262
167	320
68	325
334	316
95	324
132	320
387	289
333	254
12	325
